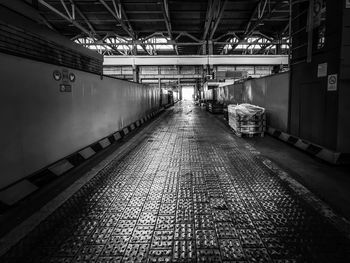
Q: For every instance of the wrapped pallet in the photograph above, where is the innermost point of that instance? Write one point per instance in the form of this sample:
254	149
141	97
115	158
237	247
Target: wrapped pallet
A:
247	119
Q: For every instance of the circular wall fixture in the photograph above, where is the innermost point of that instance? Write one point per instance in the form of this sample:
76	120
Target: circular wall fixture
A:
57	75
71	77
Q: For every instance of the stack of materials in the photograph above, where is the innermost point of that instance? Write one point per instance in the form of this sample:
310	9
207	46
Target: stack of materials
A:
215	107
225	111
247	119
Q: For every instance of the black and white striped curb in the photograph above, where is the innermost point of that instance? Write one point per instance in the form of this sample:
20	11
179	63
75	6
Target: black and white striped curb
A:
313	149
15	192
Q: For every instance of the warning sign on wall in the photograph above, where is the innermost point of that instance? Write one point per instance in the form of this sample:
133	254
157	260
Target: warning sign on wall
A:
322	70
332	82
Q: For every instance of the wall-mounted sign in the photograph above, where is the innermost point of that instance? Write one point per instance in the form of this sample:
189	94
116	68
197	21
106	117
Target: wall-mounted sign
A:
322	70
65	88
66	77
57	75
332	82
347	4
71	77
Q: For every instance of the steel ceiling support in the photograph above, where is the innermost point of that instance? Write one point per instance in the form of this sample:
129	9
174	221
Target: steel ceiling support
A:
217	19
208	17
188	35
118	16
92	29
166	15
123	13
137	42
131	43
255	42
70	15
91	34
225	35
47	23
155	34
261	5
261	19
118	19
262	14
118	6
76	24
207	24
215	10
83	17
120	12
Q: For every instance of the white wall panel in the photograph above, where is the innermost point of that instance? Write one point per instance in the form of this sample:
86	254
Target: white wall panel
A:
40	124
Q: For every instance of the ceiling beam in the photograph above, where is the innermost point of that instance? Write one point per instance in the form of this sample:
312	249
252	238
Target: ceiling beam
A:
252	16
196	60
166	15
92	33
118	18
262	11
76	24
123	14
118	6
137	42
83	17
208	17
86	20
217	19
215	10
130	43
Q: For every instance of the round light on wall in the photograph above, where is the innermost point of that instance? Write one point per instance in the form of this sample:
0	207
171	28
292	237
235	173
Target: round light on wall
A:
57	75
71	77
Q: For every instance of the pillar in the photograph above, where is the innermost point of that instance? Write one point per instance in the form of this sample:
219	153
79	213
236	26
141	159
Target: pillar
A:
135	73
180	88
160	92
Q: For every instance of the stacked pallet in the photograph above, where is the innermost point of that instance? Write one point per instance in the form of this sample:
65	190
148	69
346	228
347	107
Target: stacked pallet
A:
215	107
247	119
225	111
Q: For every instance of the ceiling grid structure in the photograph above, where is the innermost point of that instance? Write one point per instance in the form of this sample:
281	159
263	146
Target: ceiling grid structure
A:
171	27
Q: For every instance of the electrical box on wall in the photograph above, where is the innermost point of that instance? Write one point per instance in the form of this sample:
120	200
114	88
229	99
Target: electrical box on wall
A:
65	88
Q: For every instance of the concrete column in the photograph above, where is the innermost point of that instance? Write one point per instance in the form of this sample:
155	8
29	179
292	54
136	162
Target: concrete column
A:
210	47
180	88
134	50
279	47
135	73
160	92
204	48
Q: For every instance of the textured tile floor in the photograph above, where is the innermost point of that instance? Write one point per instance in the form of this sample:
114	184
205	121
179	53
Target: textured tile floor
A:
190	192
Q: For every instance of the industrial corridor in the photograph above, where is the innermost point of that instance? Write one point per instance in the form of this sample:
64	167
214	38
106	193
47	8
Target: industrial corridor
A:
188	191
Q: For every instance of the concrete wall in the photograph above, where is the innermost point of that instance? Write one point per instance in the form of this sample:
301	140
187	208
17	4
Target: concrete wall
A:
40	124
272	93
316	111
343	142
231	94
